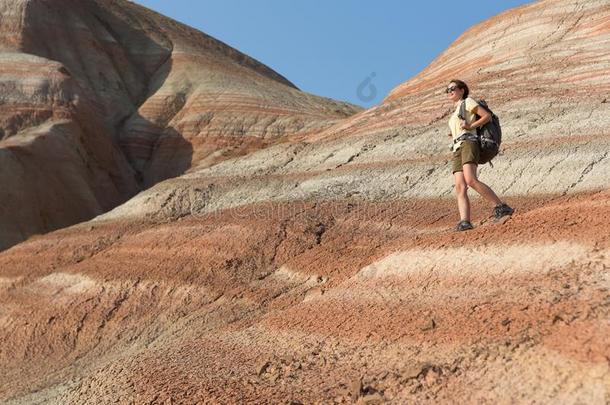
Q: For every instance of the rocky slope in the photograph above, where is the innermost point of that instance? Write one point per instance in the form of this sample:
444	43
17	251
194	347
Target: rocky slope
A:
323	269
103	98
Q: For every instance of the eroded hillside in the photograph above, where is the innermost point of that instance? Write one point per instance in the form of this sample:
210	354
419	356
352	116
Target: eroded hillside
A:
103	98
325	269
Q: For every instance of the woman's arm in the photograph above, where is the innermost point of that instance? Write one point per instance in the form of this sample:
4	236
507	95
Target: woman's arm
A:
485	118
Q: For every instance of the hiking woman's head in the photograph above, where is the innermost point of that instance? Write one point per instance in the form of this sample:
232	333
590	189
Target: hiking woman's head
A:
457	90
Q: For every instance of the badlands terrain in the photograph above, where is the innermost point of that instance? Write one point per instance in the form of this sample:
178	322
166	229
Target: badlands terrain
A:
248	242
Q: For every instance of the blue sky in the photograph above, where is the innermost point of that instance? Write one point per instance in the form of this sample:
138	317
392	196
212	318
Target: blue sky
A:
331	47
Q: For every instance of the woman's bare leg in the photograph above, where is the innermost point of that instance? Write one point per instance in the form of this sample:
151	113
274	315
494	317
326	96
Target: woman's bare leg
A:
461	191
470	177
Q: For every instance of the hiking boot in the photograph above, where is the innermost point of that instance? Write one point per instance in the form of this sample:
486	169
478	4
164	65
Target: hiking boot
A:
502	210
463	226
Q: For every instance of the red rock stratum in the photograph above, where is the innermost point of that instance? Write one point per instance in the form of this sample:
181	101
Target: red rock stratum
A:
323	268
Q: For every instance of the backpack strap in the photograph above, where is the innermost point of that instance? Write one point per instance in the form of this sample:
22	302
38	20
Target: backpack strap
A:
462	114
466	136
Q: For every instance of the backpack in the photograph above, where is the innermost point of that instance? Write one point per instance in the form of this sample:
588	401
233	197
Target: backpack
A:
490	134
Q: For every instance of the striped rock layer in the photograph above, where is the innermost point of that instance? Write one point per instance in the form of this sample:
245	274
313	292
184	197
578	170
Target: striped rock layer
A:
324	269
103	98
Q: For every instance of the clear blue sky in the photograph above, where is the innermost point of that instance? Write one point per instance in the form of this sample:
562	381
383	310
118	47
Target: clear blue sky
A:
330	47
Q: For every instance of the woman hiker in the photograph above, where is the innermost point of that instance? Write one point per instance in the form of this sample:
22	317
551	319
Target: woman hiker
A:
466	152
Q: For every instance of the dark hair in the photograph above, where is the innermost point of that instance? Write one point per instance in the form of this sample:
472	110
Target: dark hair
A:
460	84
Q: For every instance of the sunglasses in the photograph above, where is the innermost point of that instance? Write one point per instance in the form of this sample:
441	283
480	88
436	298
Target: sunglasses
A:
450	89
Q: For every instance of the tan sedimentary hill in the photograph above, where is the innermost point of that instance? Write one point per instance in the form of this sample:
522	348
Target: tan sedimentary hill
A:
103	98
324	269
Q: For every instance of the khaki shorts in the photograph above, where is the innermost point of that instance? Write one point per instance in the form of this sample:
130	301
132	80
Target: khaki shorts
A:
468	152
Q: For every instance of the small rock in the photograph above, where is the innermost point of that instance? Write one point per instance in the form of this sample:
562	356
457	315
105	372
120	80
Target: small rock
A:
368	390
313	293
262	367
428	325
431	376
430	370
